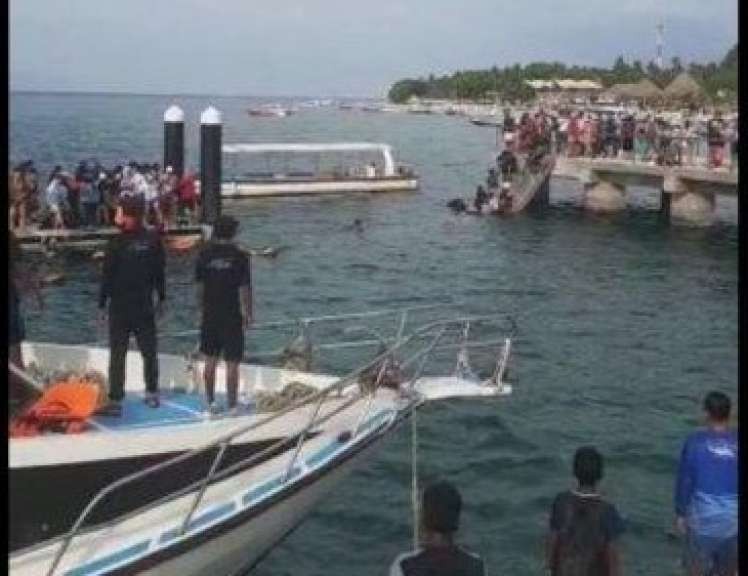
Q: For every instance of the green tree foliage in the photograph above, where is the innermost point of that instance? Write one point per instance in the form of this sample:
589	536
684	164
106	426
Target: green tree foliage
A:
510	82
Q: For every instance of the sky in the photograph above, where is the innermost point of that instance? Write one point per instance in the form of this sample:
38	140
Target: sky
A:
335	48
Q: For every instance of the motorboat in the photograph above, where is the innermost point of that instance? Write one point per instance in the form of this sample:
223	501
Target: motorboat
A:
270	111
290	169
166	491
486	121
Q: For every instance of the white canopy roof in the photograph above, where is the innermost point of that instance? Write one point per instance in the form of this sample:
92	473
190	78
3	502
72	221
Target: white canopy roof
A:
385	149
303	147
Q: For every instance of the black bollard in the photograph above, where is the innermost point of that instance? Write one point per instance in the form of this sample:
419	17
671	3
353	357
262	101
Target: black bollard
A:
174	139
210	165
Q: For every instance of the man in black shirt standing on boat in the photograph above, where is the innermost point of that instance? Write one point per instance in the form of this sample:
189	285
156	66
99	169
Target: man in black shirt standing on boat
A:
225	301
133	271
438	555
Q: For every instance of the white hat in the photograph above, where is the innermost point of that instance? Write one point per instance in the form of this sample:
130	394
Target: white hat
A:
506	185
509	137
169	169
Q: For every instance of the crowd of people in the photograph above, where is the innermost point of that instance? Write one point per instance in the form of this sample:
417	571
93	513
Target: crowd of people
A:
650	138
91	195
585	529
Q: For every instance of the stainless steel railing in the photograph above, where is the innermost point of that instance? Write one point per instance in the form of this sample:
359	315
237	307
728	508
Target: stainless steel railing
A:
224	442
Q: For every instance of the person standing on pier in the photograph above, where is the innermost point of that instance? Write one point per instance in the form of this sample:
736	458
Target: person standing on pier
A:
133	270
224	296
706	493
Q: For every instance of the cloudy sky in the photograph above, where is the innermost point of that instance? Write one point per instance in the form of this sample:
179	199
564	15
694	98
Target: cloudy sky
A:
335	47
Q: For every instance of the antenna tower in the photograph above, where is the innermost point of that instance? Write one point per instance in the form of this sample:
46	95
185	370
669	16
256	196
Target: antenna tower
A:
660	44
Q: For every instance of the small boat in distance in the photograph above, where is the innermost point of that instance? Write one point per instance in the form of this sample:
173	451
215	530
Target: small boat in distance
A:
291	169
487	121
270	111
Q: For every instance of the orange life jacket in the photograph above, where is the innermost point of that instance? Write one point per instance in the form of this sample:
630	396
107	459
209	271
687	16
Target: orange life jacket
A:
64	407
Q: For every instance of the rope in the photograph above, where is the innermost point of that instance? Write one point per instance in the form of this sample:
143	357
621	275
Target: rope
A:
414	477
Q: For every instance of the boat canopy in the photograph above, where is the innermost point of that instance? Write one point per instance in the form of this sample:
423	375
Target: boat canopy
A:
385	149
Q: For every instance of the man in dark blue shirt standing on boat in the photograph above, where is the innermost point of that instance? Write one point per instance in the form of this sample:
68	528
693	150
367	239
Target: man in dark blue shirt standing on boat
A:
225	302
438	554
133	270
706	493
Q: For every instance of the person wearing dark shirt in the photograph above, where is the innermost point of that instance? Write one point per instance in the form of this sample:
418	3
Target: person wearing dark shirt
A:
507	162
480	199
628	128
584	528
715	140
20	280
508	124
610	137
438	555
706	493
133	271
492	180
224	299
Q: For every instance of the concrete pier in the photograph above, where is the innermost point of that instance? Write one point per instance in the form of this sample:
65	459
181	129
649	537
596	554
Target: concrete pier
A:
604	197
688	194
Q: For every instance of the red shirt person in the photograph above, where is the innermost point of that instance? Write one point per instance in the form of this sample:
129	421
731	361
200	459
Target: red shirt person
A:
187	193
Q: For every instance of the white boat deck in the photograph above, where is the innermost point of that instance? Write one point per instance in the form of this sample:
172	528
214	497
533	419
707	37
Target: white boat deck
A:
137	535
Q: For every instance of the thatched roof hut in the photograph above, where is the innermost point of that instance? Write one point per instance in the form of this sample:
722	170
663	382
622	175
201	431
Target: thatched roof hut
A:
684	89
647	91
643	91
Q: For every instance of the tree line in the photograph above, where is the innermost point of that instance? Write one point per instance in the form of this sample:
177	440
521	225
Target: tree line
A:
509	83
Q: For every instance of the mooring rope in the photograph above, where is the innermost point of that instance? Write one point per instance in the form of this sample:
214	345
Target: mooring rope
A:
414	477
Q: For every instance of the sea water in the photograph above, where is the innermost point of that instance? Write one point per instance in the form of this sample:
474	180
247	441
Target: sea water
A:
625	322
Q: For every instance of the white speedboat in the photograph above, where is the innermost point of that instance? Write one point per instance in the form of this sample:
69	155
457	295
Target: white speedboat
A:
192	496
303	169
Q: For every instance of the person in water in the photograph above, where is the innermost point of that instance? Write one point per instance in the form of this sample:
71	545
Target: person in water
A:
133	271
224	296
706	493
481	198
437	554
584	528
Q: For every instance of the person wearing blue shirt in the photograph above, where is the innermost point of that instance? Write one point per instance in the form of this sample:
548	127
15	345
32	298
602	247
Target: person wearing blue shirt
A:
706	493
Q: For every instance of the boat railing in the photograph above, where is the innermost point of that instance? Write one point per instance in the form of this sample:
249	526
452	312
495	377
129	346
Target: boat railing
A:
222	443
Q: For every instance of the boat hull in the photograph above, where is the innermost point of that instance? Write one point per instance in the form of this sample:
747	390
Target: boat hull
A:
240	548
36	514
239	189
227	547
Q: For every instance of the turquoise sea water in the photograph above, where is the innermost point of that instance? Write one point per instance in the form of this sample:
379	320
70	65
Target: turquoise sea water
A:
624	322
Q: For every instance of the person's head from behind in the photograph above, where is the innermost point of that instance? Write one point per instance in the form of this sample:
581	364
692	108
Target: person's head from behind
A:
132	212
588	466
717	407
225	228
440	510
